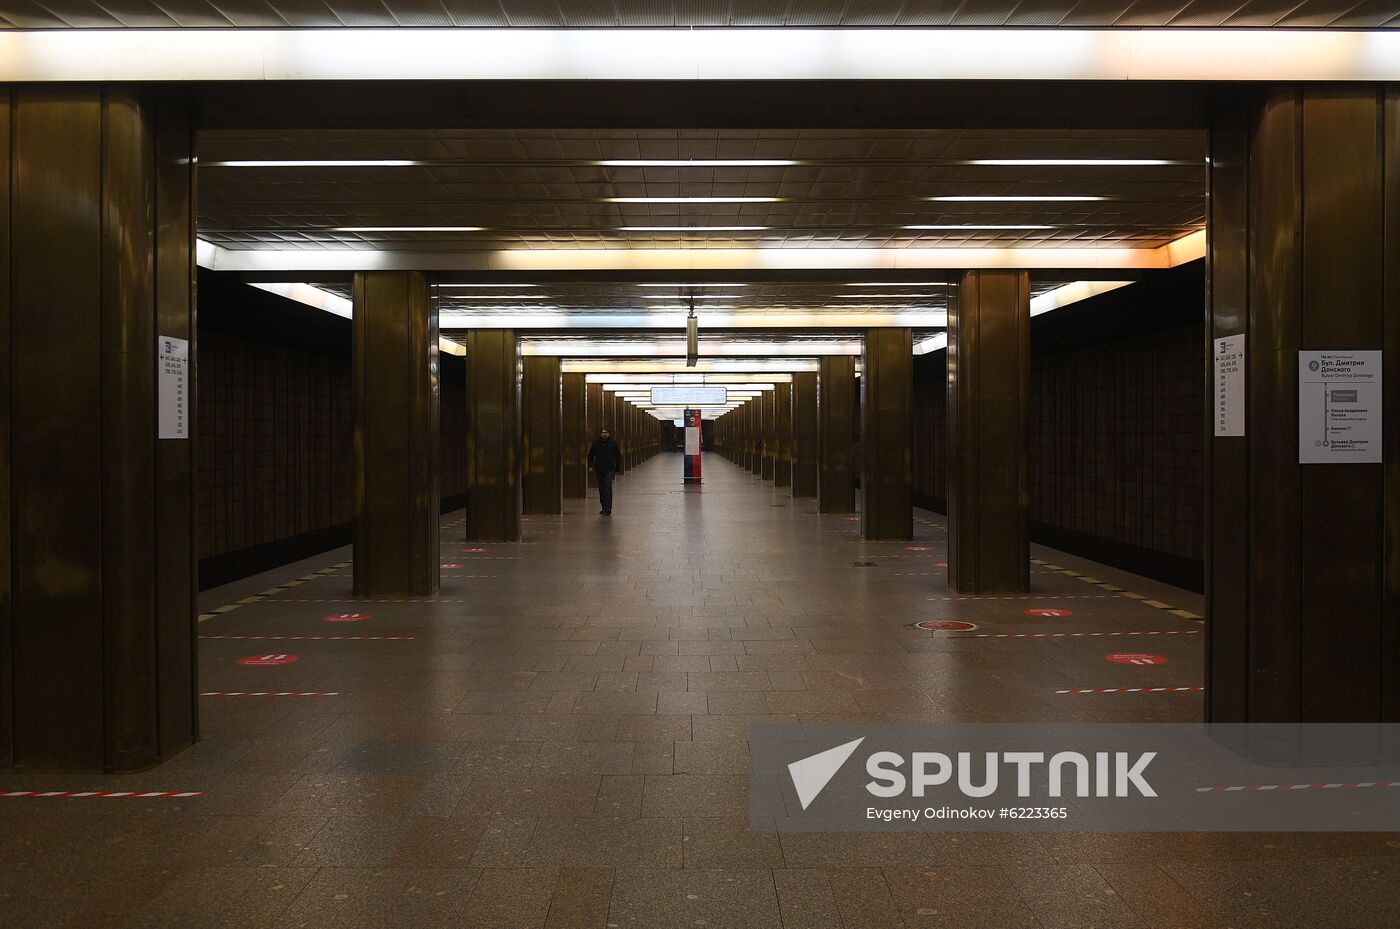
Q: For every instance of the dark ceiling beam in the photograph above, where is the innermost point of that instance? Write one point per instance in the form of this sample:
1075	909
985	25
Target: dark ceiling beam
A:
1069	105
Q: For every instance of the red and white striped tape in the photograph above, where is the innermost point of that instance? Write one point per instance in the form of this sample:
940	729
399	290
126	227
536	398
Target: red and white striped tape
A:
74	794
1132	690
318	638
1253	787
1075	635
270	693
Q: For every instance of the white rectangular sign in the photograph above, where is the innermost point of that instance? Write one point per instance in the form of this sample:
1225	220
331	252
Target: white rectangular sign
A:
1339	407
1229	385
172	377
692	440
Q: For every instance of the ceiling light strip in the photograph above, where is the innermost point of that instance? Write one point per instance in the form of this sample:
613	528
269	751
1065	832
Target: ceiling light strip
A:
751	53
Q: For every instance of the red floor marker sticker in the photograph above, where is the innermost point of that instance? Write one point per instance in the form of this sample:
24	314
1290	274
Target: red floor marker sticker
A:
346	617
916	548
1136	658
471	551
266	661
944	625
1046	611
452	566
940	564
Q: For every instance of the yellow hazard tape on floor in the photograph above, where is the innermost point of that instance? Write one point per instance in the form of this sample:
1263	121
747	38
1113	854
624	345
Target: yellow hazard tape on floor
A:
1141	598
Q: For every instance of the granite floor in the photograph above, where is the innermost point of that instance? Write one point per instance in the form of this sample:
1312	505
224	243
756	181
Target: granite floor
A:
558	740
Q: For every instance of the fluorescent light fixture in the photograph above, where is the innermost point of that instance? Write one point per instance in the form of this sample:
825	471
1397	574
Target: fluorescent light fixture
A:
695	297
1072	292
899	284
692	228
613	367
494	286
970	199
311	295
682	306
696	162
451	347
686	395
408	229
692	285
979	226
525	297
692	199
344	163
884	296
932	344
1071	162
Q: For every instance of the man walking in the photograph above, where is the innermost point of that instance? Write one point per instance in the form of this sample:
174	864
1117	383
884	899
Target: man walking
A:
605	460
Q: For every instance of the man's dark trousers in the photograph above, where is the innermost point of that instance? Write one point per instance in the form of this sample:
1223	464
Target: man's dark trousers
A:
605	482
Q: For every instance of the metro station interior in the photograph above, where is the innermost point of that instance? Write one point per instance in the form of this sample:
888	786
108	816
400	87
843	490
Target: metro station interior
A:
310	315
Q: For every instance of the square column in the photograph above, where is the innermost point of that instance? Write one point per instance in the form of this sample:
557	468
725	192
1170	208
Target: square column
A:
988	418
493	436
542	480
836	434
887	400
757	435
804	434
395	374
782	427
770	433
594	421
574	420
98	553
1302	538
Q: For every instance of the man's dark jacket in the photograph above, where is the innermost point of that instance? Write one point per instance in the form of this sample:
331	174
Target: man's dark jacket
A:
604	455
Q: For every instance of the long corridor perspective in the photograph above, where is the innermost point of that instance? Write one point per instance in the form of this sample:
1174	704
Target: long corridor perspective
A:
558	739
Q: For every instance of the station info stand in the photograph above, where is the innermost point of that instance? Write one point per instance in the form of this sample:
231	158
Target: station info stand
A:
692	446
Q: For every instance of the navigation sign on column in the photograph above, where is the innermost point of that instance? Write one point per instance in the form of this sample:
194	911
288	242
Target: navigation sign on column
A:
1229	385
1339	407
172	376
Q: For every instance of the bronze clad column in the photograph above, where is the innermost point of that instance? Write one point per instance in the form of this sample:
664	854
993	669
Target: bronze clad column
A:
98	559
493	436
594	419
770	434
836	434
395	387
574	422
804	434
542	433
887	400
988	419
614	407
1303	539
782	427
758	452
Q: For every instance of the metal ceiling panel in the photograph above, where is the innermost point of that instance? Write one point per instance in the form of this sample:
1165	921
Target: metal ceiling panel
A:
703	13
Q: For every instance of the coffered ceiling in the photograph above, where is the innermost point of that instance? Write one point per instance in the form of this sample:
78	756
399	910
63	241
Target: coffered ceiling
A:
89	14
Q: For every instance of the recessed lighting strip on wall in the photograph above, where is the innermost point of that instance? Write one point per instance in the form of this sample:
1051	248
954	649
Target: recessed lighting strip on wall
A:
525	261
747	53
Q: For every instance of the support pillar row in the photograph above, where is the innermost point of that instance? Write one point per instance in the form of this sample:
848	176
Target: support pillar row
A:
1303	556
887	399
836	434
395	375
804	434
542	484
493	436
98	558
988	419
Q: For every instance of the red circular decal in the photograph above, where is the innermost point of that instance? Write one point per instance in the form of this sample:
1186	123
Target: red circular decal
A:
451	566
1046	611
266	661
473	550
346	617
945	625
940	564
1136	658
916	548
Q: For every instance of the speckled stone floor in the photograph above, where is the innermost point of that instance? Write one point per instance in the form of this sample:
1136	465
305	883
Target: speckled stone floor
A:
558	740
